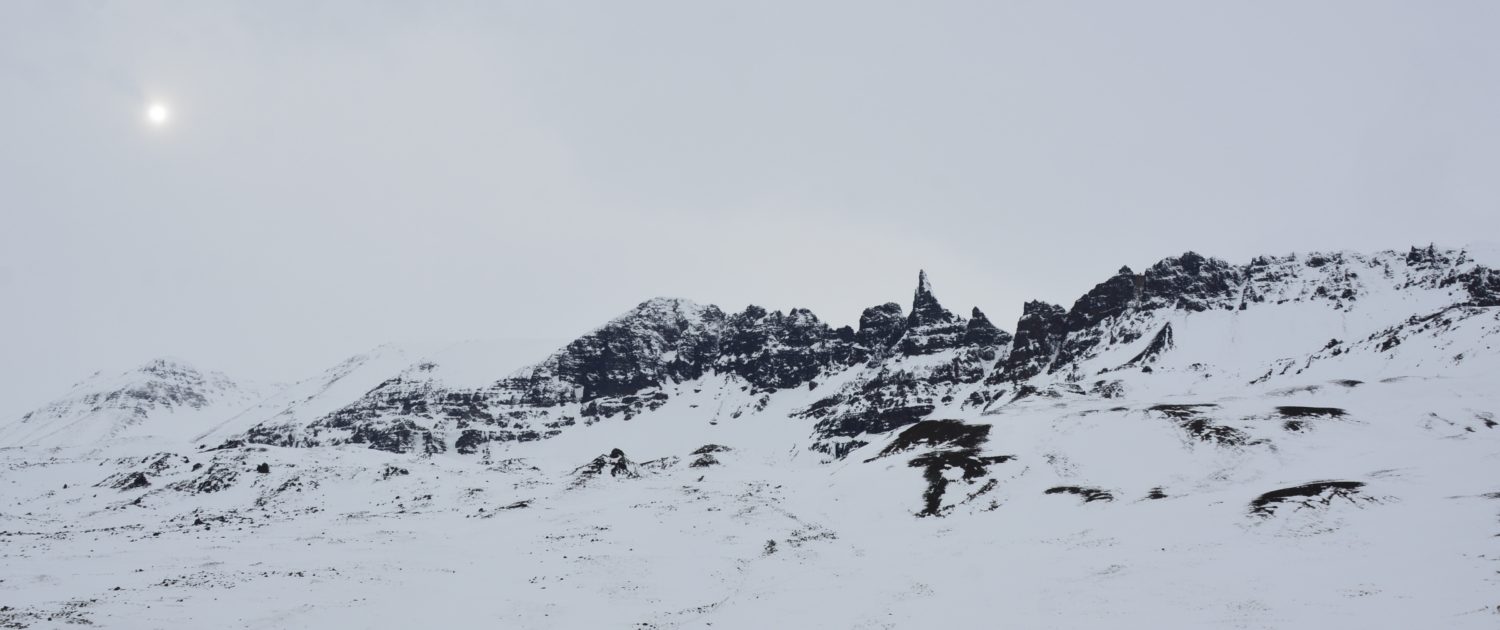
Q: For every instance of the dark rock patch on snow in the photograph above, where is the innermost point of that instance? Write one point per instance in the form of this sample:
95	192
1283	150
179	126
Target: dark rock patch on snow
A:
613	464
1193	420
1088	494
1288	411
125	481
937	433
935	464
1318	494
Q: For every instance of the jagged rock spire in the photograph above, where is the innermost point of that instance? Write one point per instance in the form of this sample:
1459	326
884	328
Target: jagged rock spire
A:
925	309
930	327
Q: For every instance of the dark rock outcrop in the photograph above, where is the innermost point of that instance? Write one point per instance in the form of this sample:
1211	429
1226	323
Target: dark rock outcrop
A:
930	328
612	464
1318	494
981	333
1039	337
908	364
880	326
1160	344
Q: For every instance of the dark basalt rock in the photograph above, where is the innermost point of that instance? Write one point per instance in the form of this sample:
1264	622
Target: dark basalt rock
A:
930	327
470	441
873	421
1288	411
661	340
1194	420
1160	343
632	364
934	466
957	448
400	436
980	332
125	481
216	477
880	326
1039	335
1088	494
1191	282
935	433
1429	257
1483	285
615	464
1298	419
1318	494
775	351
887	401
1108	299
628	406
925	309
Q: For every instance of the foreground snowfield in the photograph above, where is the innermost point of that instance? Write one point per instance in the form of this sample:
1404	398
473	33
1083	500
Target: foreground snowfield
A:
771	536
1301	442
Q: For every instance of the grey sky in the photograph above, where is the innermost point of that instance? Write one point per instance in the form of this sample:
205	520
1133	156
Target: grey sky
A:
338	175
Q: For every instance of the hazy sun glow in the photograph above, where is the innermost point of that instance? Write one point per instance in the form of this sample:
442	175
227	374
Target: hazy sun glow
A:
157	114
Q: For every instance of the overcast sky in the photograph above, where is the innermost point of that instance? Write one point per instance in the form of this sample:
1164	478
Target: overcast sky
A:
338	175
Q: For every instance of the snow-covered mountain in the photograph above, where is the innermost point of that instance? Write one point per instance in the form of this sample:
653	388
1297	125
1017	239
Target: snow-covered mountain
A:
1297	441
164	402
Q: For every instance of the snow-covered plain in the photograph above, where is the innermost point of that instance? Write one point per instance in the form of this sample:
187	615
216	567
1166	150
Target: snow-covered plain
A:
1189	495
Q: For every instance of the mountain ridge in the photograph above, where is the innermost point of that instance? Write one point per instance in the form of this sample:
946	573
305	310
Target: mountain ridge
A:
1297	441
912	360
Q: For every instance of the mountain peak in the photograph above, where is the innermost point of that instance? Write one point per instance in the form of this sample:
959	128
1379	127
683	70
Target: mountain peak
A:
167	367
925	309
981	332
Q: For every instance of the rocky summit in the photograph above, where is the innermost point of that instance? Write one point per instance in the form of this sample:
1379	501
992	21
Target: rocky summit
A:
1294	441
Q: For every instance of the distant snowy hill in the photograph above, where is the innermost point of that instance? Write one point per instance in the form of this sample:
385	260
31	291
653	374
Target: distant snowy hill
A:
1300	441
165	401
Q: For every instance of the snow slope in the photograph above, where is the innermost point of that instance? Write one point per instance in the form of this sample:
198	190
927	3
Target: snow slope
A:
1300	442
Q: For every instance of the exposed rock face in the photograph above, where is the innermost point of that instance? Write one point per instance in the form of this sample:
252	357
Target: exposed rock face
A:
953	453
1160	344
1039	337
1483	286
661	340
898	367
1108	299
930	328
1192	283
935	354
777	351
880	326
612	464
980	333
626	367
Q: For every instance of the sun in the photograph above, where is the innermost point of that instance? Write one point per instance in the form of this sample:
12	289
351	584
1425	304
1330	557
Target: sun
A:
157	114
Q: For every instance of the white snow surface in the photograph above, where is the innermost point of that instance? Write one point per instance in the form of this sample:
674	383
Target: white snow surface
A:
1105	507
